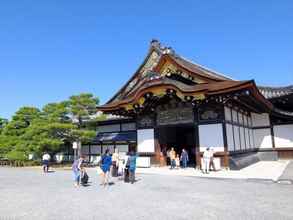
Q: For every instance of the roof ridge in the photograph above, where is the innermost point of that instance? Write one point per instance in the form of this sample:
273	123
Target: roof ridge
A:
169	50
206	68
289	87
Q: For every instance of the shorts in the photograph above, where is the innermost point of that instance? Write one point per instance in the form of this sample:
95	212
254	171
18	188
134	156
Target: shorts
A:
76	174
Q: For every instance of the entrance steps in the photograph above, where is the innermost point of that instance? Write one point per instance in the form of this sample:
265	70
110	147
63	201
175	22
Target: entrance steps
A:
238	162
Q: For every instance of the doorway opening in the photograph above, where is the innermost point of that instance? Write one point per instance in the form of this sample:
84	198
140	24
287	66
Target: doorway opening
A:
179	137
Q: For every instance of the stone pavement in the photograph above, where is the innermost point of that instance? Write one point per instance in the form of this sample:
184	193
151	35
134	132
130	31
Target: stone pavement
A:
29	194
263	170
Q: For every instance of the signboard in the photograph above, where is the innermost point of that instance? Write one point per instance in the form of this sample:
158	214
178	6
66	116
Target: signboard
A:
181	115
76	145
146	121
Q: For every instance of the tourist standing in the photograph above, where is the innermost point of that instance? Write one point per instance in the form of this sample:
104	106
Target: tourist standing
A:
115	163
206	160
76	168
184	158
212	164
45	161
106	162
122	166
132	166
173	158
177	161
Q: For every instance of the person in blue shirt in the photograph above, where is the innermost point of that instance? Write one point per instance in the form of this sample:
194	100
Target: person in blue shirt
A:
76	168
184	158
106	162
132	166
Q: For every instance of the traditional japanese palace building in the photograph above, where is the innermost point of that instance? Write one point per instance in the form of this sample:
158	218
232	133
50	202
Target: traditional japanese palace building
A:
173	102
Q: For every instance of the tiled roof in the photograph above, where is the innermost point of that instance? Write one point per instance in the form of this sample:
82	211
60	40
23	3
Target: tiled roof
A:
275	92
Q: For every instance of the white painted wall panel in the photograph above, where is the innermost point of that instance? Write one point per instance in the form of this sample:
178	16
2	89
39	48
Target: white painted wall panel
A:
143	162
260	119
240	117
245	120
263	138
237	138
283	136
250	138
253	139
234	115
249	121
145	140
228	114
229	129
243	147
211	136
247	138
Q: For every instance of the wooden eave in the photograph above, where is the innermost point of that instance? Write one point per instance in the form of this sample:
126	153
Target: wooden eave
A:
206	89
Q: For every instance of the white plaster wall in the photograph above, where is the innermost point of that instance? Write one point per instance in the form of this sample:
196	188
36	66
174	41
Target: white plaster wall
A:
240	116
237	138
252	139
228	114
283	136
247	138
260	119
143	162
263	138
249	121
229	130
145	140
243	147
211	136
245	120
234	115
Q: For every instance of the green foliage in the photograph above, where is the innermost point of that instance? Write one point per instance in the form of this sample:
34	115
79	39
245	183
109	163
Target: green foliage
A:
57	112
34	131
16	156
82	108
3	123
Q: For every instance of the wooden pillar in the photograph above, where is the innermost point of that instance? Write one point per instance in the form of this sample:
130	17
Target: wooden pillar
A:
157	146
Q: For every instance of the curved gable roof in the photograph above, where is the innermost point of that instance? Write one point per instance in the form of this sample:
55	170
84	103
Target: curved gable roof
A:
154	57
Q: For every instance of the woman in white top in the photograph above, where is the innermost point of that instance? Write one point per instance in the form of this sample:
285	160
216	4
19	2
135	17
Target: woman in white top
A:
206	160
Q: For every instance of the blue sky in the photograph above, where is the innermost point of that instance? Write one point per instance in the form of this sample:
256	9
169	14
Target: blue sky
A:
50	50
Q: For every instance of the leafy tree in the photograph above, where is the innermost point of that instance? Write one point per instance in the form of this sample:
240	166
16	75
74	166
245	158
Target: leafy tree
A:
82	108
32	130
3	122
57	112
21	120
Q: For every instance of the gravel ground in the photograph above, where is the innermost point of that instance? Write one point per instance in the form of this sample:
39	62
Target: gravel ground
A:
30	194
